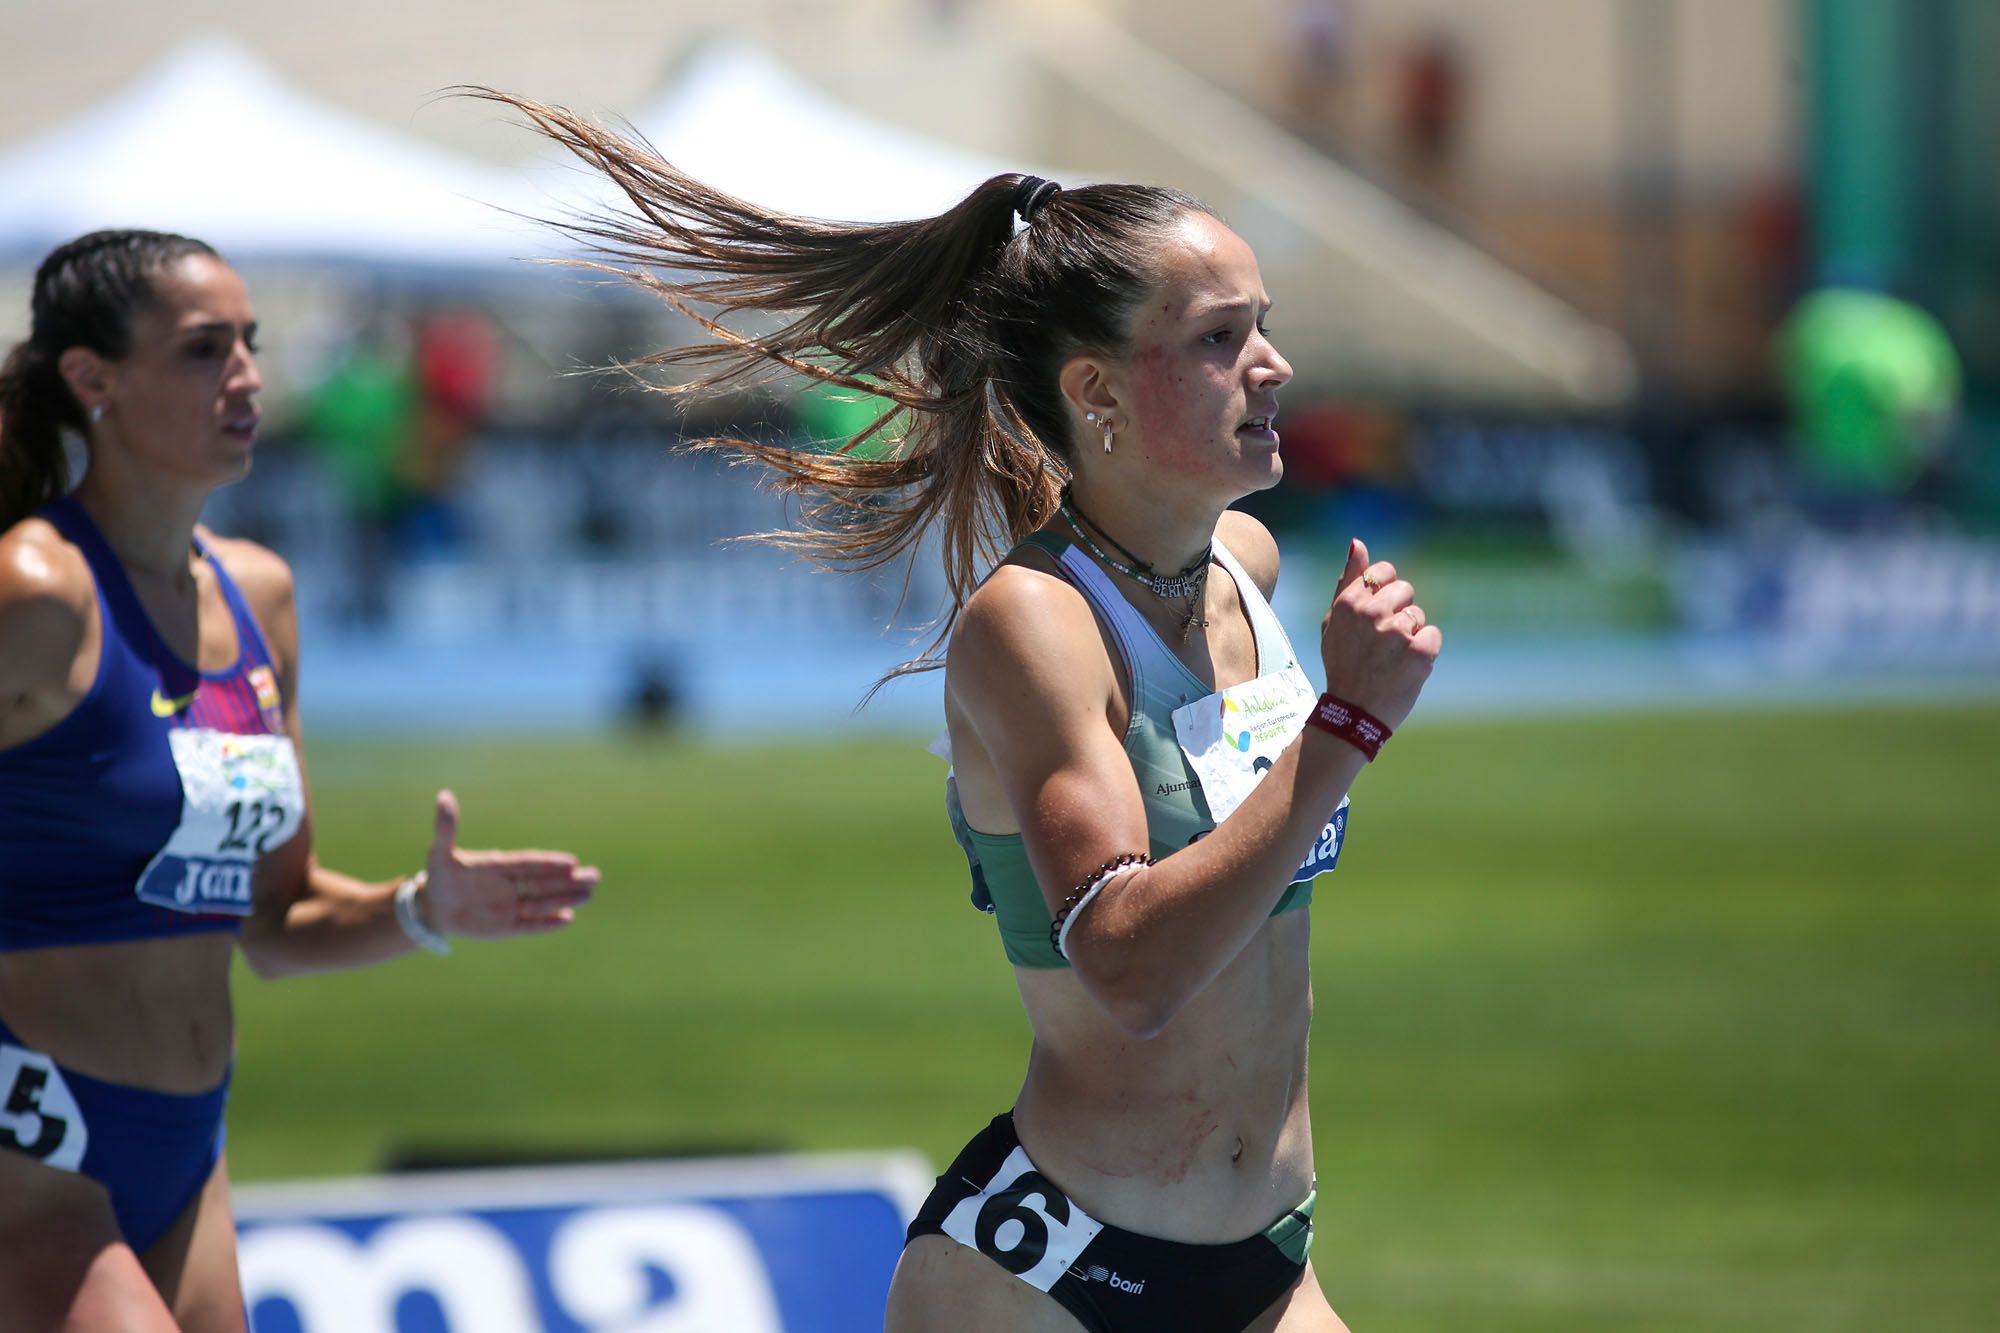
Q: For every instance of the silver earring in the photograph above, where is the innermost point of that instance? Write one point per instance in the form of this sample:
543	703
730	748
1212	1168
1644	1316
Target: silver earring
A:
1107	435
97	413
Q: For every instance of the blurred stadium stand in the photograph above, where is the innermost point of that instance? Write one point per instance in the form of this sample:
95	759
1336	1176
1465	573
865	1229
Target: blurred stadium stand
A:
1531	262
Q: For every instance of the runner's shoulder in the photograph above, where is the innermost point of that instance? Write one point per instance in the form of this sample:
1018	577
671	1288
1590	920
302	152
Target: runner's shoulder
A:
1025	627
46	600
263	576
1253	546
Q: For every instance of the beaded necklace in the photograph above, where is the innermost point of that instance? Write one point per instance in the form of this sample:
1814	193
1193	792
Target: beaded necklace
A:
1189	584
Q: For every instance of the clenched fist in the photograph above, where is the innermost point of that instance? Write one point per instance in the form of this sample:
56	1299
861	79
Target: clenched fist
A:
1375	642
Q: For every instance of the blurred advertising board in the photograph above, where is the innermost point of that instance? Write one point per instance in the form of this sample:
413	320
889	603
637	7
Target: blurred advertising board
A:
781	1244
1912	599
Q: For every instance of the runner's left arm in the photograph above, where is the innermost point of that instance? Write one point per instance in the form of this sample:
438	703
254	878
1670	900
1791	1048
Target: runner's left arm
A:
308	917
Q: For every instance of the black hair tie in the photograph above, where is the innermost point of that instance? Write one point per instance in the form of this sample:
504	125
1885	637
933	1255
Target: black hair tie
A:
1031	194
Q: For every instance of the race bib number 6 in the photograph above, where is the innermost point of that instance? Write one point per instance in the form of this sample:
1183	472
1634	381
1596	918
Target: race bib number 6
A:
1024	1223
241	797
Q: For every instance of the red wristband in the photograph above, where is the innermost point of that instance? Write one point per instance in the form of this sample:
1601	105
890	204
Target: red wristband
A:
1343	719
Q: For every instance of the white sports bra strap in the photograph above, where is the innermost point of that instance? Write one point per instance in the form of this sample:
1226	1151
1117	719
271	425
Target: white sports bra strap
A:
1274	646
1134	635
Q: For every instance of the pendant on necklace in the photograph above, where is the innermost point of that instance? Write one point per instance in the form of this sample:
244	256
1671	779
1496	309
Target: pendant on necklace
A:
1189	621
1197	602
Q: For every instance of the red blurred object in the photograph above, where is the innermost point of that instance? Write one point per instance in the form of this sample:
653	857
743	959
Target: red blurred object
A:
1431	96
1328	444
457	352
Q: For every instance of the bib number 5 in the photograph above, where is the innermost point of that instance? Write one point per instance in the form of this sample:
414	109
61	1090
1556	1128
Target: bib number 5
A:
38	1116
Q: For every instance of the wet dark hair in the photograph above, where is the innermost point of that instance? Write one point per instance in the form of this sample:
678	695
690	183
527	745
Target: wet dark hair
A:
87	293
959	320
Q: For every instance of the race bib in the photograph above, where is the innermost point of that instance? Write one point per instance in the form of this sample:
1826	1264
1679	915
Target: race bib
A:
241	797
38	1116
1024	1223
1231	738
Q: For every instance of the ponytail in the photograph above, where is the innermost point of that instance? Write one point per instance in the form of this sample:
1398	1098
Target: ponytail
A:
961	321
34	407
86	294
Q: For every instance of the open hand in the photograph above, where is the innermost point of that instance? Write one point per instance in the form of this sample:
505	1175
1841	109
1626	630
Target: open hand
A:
491	895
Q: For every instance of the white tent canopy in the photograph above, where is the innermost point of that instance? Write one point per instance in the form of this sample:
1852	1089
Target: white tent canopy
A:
1419	309
739	120
212	144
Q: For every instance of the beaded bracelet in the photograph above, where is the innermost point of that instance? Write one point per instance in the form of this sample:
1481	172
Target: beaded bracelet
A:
1340	718
1084	892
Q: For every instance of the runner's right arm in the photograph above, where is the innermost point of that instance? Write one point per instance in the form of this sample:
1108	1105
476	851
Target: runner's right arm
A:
1030	674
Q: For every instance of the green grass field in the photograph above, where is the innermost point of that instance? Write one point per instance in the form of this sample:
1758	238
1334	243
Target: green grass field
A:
1667	1023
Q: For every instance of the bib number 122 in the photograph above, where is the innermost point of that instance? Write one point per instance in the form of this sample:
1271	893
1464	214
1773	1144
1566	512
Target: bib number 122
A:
252	825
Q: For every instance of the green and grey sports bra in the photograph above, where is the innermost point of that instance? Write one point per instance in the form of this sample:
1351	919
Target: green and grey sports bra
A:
1177	811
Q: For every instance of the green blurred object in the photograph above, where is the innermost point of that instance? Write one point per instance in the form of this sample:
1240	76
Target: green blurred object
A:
1874	383
361	416
1623	1023
831	415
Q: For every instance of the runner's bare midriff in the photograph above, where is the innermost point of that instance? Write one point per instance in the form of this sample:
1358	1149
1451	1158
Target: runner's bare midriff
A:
151	1014
1200	1134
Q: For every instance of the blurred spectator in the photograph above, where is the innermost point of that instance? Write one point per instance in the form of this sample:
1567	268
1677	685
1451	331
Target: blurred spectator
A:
394	418
456	353
1771	224
360	417
1430	103
1319	46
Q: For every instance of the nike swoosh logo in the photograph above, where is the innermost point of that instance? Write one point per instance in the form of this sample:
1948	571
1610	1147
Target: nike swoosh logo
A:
165	707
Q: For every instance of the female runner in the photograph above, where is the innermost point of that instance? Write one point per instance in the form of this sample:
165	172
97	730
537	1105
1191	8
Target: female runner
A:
1144	783
153	808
